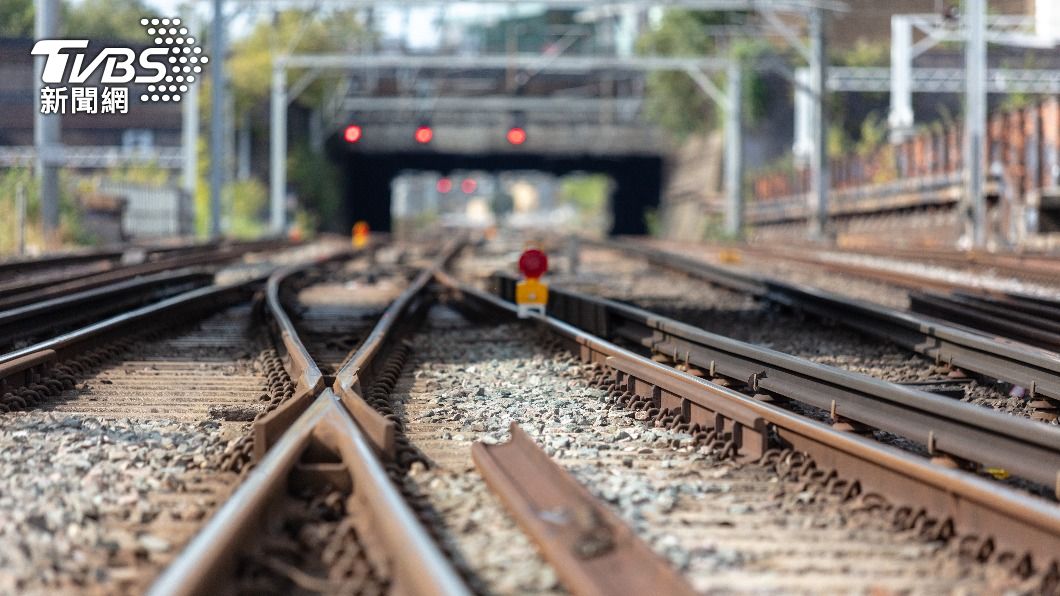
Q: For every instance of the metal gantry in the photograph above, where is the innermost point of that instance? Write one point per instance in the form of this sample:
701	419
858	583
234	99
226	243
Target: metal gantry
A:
316	65
975	29
729	101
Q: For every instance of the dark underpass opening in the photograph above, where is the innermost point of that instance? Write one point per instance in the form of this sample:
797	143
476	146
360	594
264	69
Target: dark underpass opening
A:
366	181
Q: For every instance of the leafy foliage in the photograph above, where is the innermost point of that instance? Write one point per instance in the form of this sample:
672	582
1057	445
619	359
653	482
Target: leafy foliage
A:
317	180
292	31
16	18
248	208
674	101
69	215
106	19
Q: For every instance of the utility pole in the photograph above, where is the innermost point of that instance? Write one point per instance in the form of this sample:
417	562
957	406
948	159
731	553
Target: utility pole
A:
733	151
900	117
47	129
975	118
189	136
217	127
20	208
819	178
278	148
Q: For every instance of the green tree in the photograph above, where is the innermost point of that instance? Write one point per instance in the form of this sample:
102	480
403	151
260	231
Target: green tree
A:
106	19
674	101
317	181
16	18
291	31
249	67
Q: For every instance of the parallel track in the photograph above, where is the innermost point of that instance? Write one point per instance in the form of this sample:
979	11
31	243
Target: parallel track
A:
1029	367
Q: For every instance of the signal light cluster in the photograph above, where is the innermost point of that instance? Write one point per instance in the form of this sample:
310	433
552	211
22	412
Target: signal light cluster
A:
425	134
467	186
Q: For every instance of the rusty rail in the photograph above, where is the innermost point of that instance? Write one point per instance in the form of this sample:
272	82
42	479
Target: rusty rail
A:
22	292
417	566
25	367
953	502
945	426
14	267
357	373
1032	324
49	315
315	437
304	372
592	550
1041	266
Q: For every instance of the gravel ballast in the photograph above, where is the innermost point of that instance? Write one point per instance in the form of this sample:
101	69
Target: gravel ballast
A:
729	528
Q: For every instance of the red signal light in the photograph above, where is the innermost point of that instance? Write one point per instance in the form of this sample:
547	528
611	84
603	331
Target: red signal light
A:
423	135
468	185
352	134
444	185
516	135
533	263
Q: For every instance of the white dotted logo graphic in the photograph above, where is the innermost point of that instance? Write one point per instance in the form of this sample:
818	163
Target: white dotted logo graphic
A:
184	59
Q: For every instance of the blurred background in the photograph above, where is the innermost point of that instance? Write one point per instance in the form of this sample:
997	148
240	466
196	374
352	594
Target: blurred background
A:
696	120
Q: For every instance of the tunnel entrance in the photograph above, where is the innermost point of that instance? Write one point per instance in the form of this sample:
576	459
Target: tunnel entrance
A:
366	178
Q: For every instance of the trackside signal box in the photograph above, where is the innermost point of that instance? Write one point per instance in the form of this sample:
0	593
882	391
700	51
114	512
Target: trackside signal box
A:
531	294
360	234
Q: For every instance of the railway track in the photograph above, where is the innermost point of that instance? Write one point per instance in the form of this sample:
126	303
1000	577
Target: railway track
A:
1014	369
440	371
342	524
61	279
124	436
934	270
412	435
1021	306
25	325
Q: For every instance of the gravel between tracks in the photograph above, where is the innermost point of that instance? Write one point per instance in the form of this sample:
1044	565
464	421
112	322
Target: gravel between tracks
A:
729	528
102	486
82	499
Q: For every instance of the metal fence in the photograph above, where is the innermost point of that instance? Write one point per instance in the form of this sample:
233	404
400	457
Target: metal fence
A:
152	211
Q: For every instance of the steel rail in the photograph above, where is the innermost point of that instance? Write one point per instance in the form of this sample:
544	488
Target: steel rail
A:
19	294
308	379
15	267
1030	265
946	426
1006	318
357	373
897	278
314	419
1032	270
48	315
1036	369
1006	520
27	365
593	551
153	259
417	566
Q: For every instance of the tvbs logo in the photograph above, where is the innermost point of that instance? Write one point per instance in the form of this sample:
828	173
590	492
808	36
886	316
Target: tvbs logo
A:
167	68
118	63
